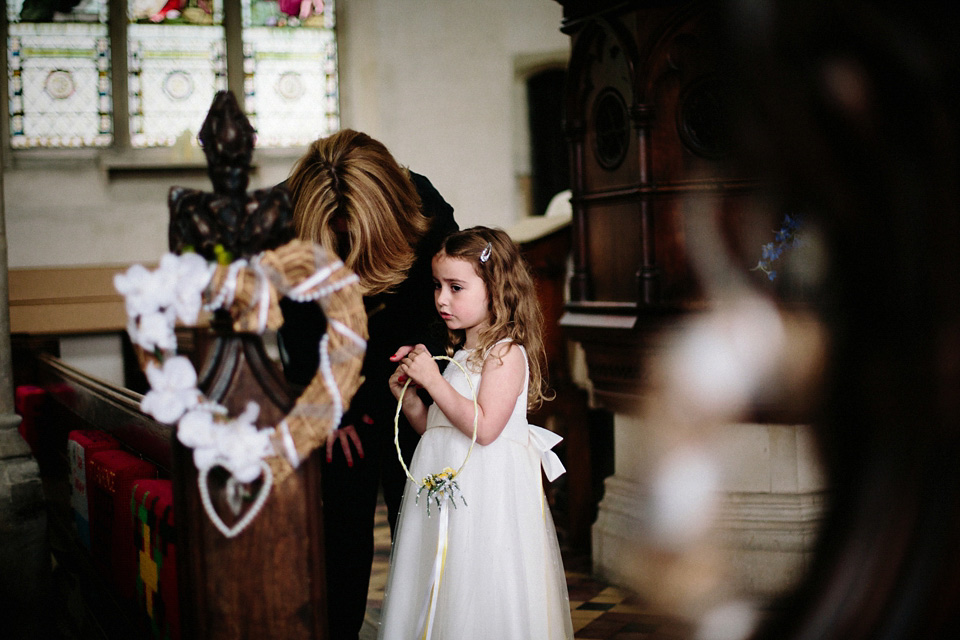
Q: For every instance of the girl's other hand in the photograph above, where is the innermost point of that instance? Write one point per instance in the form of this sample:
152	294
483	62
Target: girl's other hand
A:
420	366
397	380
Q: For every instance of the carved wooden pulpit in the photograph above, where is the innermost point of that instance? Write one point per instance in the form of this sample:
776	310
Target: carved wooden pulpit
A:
662	227
644	109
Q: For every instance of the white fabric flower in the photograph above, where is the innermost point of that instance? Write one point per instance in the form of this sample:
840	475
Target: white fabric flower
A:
196	428
155	331
165	279
237	445
137	286
242	446
176	287
207	457
173	389
192	274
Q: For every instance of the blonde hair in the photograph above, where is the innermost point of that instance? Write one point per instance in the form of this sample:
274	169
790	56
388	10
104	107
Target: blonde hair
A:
512	299
350	179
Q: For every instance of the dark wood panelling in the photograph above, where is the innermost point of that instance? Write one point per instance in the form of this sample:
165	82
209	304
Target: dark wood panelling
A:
644	119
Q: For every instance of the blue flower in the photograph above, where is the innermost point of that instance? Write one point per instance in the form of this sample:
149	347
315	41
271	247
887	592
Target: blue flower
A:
784	238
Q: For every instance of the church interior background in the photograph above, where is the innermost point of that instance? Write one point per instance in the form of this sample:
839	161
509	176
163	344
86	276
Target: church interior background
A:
697	487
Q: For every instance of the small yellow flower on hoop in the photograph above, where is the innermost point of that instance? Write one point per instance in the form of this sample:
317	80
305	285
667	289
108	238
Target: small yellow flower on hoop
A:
440	488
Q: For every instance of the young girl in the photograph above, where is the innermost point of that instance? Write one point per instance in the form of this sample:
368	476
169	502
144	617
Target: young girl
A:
500	575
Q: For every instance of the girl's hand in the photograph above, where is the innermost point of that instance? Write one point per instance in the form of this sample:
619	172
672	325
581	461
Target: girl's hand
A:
397	381
399	378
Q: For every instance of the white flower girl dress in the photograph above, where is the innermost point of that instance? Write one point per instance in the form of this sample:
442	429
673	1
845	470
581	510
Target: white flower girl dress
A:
502	575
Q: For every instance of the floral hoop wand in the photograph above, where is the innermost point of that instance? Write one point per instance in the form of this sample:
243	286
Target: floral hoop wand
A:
440	486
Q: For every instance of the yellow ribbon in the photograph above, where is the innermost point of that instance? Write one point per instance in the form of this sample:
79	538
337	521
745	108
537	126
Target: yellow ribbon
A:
440	559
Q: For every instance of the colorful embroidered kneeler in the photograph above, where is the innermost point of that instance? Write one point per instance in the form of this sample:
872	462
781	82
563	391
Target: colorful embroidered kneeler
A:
154	538
81	445
112	476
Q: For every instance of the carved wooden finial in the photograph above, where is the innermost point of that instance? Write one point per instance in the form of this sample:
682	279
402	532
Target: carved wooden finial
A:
229	221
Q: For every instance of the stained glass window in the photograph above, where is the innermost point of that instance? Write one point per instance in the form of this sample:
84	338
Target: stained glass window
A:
58	66
291	92
173	74
61	89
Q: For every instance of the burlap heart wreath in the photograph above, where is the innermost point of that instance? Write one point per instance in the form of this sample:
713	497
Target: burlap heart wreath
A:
250	291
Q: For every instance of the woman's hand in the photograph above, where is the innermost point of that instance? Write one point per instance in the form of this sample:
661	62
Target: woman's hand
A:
345	435
417	364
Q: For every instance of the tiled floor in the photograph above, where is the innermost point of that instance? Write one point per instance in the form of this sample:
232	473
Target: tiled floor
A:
599	611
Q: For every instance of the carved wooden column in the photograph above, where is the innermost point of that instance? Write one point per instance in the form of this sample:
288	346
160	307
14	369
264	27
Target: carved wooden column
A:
268	582
644	111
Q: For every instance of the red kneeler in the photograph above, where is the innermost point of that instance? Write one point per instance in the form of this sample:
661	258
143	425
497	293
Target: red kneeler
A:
28	400
81	445
154	540
112	476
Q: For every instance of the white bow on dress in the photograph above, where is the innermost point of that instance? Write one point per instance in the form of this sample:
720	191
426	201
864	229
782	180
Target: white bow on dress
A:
545	440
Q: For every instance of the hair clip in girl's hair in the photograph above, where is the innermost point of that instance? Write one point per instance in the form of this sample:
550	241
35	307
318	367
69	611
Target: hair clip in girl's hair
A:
485	254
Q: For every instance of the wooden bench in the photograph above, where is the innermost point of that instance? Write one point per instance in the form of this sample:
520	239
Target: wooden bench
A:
266	582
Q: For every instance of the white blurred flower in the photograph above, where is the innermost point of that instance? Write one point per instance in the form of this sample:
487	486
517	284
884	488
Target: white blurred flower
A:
145	291
173	389
134	286
684	497
733	620
174	290
243	446
722	358
196	428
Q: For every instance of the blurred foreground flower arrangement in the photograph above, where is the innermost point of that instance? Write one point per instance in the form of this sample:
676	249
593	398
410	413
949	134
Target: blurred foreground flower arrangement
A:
786	238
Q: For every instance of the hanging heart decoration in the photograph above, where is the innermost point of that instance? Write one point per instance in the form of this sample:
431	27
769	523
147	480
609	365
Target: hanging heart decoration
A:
259	500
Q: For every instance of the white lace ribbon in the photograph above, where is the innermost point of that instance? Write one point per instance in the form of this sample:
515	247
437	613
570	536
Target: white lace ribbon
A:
301	290
263	295
228	288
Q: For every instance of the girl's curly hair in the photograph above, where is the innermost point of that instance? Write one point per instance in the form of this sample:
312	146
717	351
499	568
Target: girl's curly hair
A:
513	306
